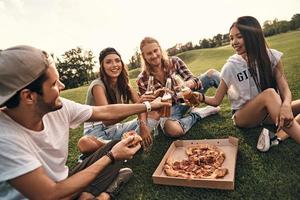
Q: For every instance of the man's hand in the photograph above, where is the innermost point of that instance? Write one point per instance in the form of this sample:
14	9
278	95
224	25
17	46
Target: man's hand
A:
122	151
156	104
146	97
159	92
150	97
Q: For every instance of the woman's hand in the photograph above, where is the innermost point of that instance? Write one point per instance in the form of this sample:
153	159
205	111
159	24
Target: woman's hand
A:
286	117
146	136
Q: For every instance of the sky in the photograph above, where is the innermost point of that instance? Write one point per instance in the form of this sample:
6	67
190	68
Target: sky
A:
60	25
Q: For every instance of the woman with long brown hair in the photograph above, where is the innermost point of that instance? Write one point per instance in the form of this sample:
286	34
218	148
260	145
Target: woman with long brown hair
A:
113	87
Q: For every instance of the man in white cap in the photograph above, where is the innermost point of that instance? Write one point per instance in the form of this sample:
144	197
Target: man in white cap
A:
34	134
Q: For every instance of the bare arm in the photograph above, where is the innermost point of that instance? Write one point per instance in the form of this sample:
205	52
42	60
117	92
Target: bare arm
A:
286	115
101	100
282	84
218	98
37	185
118	111
145	131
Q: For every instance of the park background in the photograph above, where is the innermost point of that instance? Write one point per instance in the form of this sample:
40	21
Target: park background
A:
271	175
75	31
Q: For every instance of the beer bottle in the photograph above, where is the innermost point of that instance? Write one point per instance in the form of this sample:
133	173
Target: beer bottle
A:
150	87
177	88
185	91
167	97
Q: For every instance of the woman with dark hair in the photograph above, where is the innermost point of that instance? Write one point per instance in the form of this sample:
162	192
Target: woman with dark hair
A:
254	81
113	87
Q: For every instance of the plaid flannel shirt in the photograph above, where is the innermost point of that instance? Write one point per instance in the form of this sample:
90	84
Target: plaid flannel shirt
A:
178	67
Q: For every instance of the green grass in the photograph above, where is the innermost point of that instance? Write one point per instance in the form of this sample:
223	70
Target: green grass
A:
271	175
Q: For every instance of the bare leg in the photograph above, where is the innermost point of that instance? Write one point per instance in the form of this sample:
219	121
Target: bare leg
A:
89	196
103	196
173	128
86	196
89	144
282	135
266	102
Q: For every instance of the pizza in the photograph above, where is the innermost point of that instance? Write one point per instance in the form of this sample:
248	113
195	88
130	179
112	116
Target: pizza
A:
137	139
204	161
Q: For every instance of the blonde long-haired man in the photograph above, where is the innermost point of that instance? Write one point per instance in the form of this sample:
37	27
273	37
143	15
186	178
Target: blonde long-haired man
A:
155	62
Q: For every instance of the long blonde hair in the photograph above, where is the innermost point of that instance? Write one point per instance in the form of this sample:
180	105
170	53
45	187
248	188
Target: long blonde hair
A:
166	63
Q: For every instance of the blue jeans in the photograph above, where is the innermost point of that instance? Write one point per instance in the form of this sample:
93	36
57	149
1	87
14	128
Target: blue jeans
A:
209	81
182	114
116	131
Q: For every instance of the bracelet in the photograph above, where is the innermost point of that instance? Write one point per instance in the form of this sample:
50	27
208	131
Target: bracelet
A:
111	157
203	98
148	105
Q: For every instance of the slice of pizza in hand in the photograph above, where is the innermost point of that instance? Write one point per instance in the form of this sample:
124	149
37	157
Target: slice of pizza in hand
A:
137	139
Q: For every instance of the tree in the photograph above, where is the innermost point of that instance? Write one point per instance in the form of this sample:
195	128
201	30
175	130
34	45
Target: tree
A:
76	67
175	49
186	47
284	26
295	22
204	44
225	38
218	40
135	60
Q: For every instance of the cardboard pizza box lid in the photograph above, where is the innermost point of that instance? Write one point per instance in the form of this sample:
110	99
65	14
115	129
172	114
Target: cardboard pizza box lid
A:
177	151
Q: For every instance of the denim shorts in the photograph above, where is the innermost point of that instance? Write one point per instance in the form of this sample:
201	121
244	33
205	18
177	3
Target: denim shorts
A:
116	131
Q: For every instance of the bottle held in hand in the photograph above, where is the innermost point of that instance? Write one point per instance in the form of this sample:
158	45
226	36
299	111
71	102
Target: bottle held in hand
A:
178	84
194	100
189	97
150	87
167	97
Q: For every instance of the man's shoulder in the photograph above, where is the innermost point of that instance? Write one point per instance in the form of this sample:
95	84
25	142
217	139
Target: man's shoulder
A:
142	75
6	123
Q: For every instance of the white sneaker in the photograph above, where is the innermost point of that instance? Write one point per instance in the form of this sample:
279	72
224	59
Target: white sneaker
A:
266	140
206	111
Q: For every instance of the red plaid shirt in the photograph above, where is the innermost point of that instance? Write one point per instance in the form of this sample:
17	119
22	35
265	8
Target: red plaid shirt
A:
178	67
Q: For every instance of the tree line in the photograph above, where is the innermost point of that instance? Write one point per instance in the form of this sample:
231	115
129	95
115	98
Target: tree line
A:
270	27
75	66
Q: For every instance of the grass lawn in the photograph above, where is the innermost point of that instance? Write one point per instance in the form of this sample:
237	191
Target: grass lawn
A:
271	175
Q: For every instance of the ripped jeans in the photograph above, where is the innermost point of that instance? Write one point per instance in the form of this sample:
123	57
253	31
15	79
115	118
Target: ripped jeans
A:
182	114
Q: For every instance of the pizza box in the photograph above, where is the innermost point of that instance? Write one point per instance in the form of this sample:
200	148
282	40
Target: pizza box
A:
177	151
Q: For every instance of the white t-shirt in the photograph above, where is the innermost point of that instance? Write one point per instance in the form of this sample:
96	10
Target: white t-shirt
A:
240	83
23	150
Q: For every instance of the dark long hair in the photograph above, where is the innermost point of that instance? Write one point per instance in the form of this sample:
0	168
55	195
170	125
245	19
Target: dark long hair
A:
257	54
122	84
